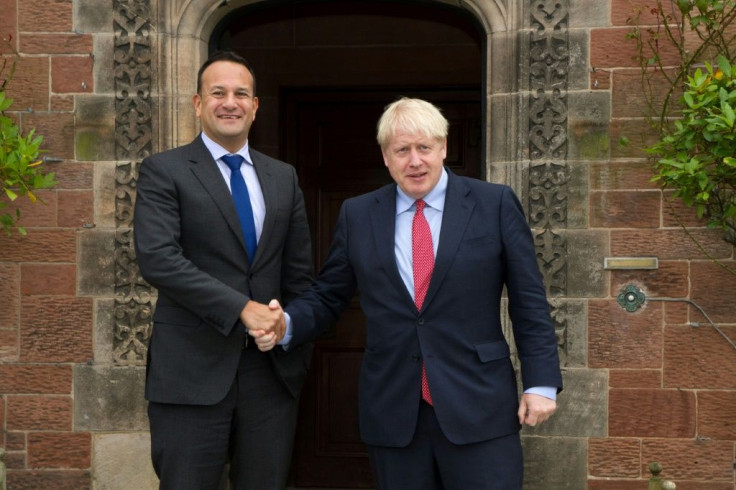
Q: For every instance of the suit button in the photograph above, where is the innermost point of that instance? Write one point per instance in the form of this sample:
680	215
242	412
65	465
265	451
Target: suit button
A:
416	358
420	321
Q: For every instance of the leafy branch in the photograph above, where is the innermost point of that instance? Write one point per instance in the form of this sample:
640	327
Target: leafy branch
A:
20	167
689	81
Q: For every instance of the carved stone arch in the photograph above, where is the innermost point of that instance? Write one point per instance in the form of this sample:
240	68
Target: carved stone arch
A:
160	47
183	36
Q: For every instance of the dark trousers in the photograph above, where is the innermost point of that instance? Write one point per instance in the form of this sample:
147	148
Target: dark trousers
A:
431	462
252	428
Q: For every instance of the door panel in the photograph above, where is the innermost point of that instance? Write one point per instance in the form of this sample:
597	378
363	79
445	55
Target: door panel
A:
330	138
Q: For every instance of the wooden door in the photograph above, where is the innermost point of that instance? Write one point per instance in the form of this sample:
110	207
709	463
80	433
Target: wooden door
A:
330	138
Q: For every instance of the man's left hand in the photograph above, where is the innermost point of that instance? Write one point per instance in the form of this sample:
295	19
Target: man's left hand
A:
535	409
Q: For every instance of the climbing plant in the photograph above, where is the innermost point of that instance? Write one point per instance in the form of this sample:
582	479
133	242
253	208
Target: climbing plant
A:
689	79
21	170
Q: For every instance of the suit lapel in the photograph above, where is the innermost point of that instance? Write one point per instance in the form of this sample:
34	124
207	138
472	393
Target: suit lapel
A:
205	169
383	222
270	190
455	217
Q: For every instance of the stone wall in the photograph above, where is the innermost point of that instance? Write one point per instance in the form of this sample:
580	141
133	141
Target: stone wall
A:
108	81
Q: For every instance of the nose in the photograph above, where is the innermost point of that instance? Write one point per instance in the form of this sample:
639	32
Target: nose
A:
415	161
229	100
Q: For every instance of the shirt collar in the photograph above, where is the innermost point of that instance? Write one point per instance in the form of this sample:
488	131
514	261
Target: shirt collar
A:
218	151
434	199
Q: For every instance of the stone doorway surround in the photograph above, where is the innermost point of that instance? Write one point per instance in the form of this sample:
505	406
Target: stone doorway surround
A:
536	80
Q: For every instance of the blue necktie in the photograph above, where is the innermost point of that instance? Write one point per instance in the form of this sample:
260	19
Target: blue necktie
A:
242	203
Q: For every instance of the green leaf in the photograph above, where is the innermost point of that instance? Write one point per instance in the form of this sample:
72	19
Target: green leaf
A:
724	65
688	98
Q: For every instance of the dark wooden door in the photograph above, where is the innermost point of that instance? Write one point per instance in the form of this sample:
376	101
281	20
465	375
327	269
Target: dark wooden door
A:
330	138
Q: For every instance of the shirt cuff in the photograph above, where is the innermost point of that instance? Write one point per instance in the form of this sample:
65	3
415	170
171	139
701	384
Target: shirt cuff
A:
284	343
545	391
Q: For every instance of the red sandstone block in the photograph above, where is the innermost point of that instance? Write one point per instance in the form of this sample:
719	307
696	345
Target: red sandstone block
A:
15	460
699	358
73	175
675	214
675	313
620	209
46	279
638	134
39	412
617	484
75	208
57	130
3	443
56	329
62	103
72	74
621	175
59	450
610	48
600	80
7	24
9	297
670	280
58	480
41	213
717	414
29	87
614	458
41	378
40	245
618	339
714	289
15	441
635	378
690	459
36	43
669	244
651	413
9	345
626	12
45	16
636	94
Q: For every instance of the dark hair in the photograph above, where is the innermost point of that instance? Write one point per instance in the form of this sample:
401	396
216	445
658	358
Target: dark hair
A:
225	56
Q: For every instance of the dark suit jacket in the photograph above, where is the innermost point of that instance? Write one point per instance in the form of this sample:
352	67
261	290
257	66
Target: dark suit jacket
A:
190	247
485	243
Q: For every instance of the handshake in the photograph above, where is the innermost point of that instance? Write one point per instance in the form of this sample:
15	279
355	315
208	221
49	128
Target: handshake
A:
265	323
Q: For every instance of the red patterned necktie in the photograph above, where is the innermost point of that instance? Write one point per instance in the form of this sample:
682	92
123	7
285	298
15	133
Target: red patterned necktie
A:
423	263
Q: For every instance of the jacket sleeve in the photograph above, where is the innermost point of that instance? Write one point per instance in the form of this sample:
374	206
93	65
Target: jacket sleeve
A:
312	312
534	332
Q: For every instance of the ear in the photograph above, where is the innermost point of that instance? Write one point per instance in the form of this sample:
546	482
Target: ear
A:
444	149
255	107
197	103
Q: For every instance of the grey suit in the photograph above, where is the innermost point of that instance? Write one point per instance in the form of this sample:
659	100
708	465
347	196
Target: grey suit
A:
190	246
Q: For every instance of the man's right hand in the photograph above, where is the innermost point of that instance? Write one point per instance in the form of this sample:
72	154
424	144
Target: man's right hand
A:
266	318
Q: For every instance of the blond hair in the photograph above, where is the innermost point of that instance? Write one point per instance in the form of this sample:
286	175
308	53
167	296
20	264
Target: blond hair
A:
411	116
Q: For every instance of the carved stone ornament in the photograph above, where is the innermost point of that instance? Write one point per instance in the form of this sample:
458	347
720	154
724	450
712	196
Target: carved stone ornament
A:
133	138
549	175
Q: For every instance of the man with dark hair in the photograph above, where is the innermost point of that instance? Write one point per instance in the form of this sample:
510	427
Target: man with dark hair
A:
219	229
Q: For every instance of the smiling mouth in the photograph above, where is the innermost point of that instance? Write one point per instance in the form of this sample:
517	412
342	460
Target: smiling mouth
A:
228	116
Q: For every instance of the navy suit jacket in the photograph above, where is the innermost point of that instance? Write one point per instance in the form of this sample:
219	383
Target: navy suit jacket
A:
190	246
485	244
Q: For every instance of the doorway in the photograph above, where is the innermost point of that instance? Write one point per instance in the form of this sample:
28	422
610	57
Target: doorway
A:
324	72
